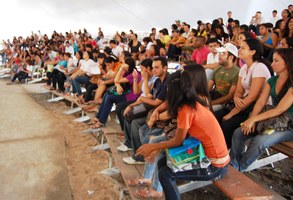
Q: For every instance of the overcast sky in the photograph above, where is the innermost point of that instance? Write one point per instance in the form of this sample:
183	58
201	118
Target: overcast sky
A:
20	17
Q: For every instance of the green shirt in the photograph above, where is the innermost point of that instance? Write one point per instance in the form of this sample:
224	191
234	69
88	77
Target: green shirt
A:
225	78
272	82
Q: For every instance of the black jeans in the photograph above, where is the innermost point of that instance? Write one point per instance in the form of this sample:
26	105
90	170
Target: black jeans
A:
230	125
20	75
168	177
120	107
90	87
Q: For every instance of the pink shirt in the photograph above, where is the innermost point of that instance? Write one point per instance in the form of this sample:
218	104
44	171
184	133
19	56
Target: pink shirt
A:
199	56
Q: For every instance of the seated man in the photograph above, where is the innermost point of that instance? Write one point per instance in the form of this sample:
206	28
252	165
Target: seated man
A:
224	78
174	48
201	52
213	57
154	99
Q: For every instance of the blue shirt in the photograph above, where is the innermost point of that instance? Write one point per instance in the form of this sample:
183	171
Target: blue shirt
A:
159	90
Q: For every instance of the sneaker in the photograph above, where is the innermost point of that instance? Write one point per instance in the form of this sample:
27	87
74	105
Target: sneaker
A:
131	161
123	148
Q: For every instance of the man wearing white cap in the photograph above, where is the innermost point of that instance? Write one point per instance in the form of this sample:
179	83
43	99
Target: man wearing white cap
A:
224	78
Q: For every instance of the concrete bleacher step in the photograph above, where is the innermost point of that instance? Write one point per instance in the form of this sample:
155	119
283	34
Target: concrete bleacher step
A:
266	161
35	80
91	131
73	110
111	171
82	119
5	75
56	99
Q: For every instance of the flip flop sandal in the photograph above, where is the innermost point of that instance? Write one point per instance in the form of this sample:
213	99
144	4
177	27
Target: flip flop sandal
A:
138	182
94	121
97	125
146	195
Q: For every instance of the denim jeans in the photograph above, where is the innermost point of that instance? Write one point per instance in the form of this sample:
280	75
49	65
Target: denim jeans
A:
145	132
76	84
151	169
168	177
241	159
106	106
131	133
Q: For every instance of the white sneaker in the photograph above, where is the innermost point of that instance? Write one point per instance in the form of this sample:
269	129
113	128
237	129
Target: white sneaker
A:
131	161
123	148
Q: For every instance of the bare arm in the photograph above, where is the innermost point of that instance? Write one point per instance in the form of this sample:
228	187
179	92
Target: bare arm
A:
146	149
211	84
249	125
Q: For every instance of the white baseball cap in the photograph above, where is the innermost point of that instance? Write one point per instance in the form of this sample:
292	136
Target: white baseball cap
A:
228	47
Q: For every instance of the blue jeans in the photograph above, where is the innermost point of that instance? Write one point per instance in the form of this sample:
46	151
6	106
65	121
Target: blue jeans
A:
241	159
106	106
168	177
151	169
76	84
145	132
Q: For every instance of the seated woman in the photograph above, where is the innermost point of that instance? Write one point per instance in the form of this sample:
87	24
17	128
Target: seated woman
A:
94	81
87	69
268	40
23	72
142	87
107	79
123	76
252	78
193	115
189	45
279	88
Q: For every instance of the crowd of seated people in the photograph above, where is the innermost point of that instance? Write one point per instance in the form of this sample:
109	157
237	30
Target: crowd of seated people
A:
230	71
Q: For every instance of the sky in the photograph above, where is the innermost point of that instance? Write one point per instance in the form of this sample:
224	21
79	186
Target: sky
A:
21	17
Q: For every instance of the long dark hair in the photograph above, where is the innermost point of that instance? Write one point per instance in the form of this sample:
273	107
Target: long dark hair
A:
254	44
286	54
187	87
286	30
130	62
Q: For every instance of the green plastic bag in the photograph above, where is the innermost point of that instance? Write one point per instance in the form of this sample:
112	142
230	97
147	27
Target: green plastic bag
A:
190	155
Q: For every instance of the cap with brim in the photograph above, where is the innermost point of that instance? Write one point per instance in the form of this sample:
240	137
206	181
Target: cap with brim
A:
228	47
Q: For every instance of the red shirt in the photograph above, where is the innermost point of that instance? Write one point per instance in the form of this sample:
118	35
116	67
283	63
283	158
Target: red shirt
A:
199	56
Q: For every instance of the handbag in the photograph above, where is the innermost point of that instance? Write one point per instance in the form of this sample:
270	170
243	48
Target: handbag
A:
94	79
113	89
190	155
281	122
170	129
138	111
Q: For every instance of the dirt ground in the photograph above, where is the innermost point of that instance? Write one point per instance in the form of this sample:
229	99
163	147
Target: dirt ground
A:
84	165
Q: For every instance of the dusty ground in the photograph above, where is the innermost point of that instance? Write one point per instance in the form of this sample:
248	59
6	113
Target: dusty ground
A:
84	165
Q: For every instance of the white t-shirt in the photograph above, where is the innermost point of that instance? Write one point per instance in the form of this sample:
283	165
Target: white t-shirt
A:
70	50
151	81
102	43
256	70
273	20
90	67
71	64
117	51
148	47
210	60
